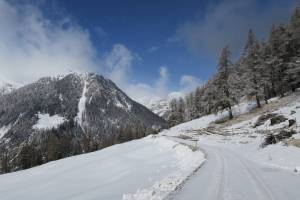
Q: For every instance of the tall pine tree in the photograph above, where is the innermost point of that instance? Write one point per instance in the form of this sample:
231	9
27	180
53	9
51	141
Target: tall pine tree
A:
224	98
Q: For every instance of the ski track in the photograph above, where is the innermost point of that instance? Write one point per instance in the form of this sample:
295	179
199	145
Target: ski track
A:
228	175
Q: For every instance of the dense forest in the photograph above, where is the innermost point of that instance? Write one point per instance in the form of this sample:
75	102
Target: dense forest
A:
265	69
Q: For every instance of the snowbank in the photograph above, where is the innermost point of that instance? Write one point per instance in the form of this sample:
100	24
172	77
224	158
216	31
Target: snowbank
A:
148	168
188	162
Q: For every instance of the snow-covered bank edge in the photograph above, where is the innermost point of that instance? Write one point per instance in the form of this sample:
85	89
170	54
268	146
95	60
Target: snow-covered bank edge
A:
190	160
177	190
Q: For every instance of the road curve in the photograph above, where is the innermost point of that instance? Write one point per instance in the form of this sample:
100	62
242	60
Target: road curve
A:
227	175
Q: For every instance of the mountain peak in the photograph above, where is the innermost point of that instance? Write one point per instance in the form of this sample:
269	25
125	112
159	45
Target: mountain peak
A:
71	108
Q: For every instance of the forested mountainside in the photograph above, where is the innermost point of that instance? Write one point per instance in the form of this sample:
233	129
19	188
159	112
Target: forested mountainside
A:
55	118
265	69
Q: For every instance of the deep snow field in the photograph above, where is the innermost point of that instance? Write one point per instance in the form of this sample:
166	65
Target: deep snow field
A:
158	167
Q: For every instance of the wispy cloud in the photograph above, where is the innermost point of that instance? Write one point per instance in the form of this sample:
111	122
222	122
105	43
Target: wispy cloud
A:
32	46
189	83
153	49
118	65
100	32
228	22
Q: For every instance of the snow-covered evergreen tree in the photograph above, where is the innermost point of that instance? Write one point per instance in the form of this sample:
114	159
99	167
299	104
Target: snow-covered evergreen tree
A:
253	66
225	99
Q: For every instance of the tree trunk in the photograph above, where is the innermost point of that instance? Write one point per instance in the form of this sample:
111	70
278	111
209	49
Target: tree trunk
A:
274	94
230	113
293	88
266	100
281	94
257	101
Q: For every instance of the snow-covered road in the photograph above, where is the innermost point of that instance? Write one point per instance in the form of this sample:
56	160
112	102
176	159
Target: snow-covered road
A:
228	175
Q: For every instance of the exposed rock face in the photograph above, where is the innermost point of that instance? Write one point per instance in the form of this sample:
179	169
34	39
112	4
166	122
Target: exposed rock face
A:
273	117
275	138
58	117
262	119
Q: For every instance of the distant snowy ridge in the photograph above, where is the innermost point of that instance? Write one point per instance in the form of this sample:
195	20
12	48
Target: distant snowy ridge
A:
161	106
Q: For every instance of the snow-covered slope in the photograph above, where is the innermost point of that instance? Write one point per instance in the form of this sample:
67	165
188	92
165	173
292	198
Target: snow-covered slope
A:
148	168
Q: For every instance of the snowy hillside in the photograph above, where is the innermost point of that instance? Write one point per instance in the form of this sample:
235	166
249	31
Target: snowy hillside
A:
148	168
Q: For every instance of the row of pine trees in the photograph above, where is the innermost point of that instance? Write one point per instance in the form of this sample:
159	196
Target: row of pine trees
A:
264	70
68	140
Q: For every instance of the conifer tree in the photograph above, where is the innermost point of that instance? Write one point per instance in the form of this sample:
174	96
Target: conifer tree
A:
224	97
252	63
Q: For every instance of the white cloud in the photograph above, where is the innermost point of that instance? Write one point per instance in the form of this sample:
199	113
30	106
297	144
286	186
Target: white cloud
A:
153	49
118	67
32	46
228	22
162	82
118	63
189	83
100	32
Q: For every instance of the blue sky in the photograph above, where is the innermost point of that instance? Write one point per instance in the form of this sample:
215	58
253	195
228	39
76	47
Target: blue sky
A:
145	27
149	48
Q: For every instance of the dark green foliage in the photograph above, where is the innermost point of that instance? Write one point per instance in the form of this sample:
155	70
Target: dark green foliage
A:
4	164
29	157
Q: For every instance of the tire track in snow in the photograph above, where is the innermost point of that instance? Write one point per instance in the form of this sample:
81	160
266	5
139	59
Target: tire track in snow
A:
225	176
265	191
221	185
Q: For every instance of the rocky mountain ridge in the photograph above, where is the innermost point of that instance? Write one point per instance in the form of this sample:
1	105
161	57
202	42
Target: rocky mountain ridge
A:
58	117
